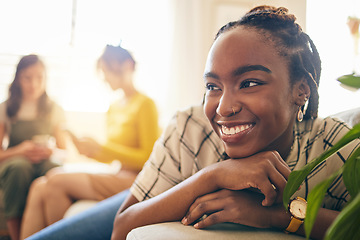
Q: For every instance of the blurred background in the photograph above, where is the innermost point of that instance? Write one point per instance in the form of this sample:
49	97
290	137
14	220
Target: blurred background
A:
169	40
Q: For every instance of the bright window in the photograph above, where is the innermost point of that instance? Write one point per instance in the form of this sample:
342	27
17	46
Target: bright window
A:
327	26
71	34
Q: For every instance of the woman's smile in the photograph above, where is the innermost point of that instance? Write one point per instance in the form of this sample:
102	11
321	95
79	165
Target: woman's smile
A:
231	133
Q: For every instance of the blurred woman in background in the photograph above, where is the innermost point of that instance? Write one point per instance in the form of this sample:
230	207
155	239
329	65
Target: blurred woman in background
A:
29	120
132	129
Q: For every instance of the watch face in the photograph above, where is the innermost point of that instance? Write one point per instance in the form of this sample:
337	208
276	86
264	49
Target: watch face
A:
298	208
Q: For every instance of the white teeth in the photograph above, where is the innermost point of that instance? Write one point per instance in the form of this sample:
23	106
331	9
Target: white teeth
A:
235	129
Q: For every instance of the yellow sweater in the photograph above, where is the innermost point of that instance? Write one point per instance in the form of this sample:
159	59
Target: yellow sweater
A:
132	130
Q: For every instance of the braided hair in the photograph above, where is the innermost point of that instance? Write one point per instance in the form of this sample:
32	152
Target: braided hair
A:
280	28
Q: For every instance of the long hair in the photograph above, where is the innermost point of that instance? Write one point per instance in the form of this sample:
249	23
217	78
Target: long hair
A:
15	94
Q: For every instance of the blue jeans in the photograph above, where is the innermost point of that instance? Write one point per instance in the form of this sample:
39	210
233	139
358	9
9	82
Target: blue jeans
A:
92	224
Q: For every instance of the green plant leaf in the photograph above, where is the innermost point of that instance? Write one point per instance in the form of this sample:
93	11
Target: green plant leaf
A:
351	173
315	199
298	176
350	80
346	225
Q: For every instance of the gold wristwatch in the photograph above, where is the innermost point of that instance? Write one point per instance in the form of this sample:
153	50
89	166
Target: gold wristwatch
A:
297	209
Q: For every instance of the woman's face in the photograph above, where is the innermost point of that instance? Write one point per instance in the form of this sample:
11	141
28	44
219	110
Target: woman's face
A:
245	75
117	76
32	81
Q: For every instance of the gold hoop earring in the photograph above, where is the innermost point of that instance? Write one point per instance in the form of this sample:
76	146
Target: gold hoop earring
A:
300	115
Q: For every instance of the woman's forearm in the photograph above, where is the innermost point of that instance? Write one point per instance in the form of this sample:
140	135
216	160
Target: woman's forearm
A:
10	152
323	221
171	205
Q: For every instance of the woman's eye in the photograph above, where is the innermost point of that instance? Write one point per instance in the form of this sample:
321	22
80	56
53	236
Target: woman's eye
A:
211	87
246	84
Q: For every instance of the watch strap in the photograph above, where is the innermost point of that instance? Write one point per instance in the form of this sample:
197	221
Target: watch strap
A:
294	225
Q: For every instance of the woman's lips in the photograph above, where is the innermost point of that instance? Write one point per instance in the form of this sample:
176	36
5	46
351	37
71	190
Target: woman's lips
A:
235	133
235	129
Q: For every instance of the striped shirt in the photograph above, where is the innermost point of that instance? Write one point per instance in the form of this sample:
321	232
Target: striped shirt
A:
189	144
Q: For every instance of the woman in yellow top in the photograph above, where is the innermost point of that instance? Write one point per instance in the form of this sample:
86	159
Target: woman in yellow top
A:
132	128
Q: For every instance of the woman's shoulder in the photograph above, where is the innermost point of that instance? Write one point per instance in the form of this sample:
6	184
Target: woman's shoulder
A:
57	113
192	118
329	129
55	107
191	128
3	111
143	99
2	106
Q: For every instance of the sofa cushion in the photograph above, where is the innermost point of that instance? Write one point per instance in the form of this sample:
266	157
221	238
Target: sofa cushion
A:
223	231
351	116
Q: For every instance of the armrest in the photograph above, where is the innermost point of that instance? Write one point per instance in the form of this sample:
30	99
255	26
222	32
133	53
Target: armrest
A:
223	231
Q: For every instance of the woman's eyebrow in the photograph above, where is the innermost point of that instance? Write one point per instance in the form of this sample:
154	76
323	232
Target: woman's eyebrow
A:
240	70
249	68
211	75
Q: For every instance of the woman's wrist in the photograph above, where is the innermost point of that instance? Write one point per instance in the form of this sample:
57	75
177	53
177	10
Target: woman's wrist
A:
208	179
279	217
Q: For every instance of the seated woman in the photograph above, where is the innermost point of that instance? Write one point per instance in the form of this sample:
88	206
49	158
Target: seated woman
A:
261	77
28	121
132	129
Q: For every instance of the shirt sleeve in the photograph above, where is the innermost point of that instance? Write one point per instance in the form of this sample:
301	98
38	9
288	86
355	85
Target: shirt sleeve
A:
337	195
161	171
316	139
135	157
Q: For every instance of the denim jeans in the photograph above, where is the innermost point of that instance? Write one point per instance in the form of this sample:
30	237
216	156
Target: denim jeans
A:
93	224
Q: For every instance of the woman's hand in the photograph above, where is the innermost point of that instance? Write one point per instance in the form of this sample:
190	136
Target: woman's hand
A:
34	152
242	207
88	146
39	153
264	171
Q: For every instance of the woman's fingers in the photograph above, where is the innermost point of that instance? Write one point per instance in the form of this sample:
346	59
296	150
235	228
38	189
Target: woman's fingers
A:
242	207
274	185
265	171
217	217
281	165
209	205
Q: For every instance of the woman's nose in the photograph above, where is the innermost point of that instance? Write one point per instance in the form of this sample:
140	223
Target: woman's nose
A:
227	106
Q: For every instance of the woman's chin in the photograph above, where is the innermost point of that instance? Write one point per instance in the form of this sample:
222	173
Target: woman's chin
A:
236	154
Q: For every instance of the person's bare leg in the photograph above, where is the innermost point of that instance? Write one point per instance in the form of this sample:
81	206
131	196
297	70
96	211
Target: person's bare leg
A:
13	225
34	216
62	190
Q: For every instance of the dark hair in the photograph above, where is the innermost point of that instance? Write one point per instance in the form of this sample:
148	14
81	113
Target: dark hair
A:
291	42
114	54
15	94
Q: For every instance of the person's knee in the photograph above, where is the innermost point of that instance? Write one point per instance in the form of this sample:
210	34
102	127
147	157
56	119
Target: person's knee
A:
38	186
55	185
